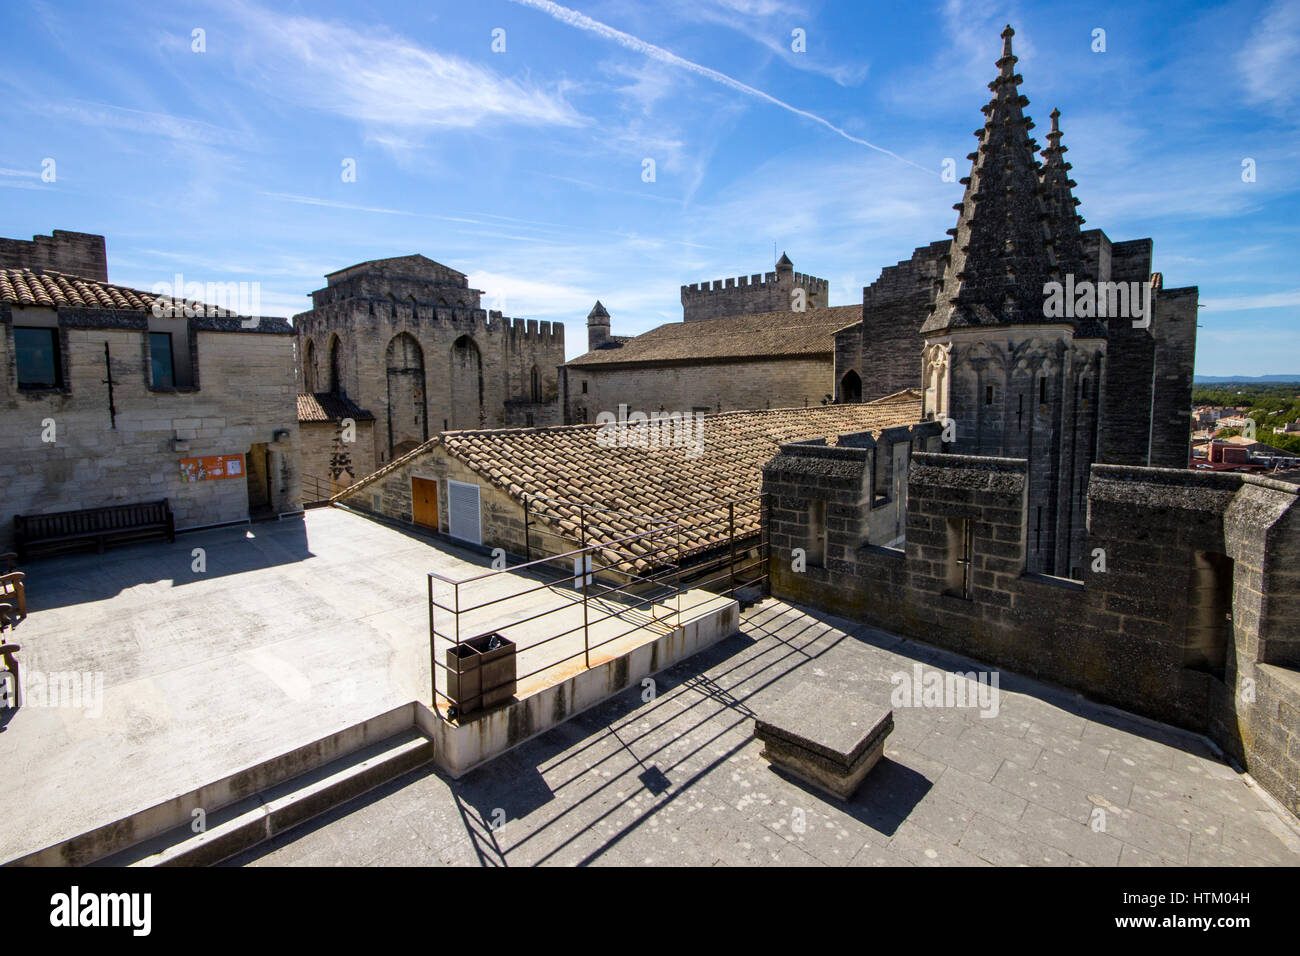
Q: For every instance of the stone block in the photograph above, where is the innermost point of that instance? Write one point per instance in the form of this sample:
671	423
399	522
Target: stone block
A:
830	741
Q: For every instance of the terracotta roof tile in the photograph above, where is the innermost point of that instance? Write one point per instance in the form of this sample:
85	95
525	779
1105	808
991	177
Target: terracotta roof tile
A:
328	407
646	487
764	335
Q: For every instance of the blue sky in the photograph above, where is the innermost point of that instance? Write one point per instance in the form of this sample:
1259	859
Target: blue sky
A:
524	168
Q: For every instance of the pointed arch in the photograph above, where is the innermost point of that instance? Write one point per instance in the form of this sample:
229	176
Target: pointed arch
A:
408	420
850	388
309	366
335	366
466	383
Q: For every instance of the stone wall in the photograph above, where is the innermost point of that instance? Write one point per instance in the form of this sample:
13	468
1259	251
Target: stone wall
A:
884	350
330	464
1133	633
244	394
752	295
418	353
713	386
76	253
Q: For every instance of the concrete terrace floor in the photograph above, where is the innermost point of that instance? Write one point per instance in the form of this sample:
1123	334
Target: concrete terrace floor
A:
294	630
678	780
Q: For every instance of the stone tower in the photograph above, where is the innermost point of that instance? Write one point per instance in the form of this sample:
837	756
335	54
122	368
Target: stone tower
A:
753	295
1008	380
597	326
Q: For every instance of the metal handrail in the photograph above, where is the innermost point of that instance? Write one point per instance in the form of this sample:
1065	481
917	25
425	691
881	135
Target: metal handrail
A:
663	570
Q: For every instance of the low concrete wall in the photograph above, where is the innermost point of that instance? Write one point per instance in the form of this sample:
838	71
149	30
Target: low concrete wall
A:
461	747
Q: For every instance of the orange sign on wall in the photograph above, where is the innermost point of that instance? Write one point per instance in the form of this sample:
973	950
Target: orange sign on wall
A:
209	469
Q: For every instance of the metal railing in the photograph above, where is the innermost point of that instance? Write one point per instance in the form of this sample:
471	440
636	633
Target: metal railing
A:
317	491
636	579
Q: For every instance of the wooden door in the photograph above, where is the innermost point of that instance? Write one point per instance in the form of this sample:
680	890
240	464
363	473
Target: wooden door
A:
424	502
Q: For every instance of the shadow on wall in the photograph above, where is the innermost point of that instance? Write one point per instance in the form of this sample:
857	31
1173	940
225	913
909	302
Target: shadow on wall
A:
82	577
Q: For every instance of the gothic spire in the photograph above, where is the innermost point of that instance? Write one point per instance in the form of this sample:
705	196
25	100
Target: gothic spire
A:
1063	222
1001	256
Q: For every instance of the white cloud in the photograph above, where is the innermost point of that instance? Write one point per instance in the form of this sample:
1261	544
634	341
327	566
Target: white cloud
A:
383	80
1264	300
581	21
1268	59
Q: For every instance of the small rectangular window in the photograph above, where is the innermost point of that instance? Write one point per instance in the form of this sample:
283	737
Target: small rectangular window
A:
584	388
39	363
817	534
988	394
960	556
1042	391
160	360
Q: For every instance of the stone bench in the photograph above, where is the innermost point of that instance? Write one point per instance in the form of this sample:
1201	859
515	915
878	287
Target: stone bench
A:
830	741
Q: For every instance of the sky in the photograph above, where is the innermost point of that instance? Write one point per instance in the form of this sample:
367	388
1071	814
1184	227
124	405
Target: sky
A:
276	142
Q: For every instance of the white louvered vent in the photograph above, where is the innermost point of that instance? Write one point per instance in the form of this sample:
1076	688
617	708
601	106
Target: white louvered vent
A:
462	502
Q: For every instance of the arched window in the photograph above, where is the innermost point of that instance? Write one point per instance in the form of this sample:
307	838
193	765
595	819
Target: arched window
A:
336	378
309	367
850	388
466	384
535	385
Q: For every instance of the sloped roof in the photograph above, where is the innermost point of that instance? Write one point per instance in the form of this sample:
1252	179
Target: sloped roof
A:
329	407
43	288
762	335
647	486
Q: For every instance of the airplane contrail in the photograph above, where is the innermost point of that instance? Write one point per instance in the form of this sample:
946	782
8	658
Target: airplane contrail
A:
583	22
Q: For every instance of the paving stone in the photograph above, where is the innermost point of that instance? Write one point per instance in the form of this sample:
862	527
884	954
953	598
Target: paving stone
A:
1003	845
1076	839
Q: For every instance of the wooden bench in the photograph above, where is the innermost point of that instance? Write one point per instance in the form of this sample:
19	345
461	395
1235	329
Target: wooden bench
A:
98	526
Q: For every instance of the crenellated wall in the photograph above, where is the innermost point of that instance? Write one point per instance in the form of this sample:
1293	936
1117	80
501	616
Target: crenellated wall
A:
752	295
1187	611
417	351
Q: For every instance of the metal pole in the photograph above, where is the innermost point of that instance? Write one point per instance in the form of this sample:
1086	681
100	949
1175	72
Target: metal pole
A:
528	551
433	650
731	533
582	569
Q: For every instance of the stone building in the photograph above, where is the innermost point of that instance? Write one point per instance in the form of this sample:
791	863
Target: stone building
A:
1185	611
753	342
782	290
1036	340
106	402
333	430
407	340
539	491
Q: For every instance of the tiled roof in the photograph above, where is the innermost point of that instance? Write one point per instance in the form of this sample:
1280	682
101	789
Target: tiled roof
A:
649	485
328	407
25	287
42	288
764	335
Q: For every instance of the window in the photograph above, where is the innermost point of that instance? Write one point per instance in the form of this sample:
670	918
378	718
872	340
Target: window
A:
160	360
817	534
584	387
39	362
988	394
535	385
1042	390
960	553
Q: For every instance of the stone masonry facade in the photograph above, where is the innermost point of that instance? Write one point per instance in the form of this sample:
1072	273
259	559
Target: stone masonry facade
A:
708	387
60	449
749	295
407	340
1187	611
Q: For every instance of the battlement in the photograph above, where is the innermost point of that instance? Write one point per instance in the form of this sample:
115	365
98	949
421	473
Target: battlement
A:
76	253
748	295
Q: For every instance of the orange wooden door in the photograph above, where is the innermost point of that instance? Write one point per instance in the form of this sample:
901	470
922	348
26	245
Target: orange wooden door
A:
424	502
